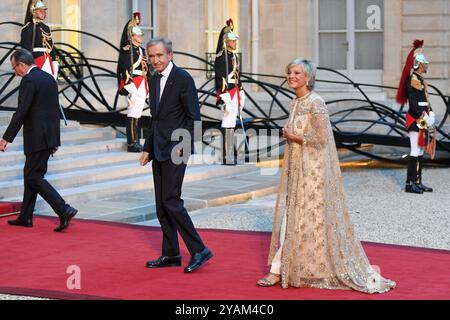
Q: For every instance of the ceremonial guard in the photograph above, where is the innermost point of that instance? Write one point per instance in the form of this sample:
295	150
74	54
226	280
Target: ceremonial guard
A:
420	118
36	38
132	75
230	93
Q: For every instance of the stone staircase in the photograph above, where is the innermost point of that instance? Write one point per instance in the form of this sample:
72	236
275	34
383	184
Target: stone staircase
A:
92	164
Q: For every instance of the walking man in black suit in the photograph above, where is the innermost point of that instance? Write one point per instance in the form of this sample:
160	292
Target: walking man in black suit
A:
174	107
38	112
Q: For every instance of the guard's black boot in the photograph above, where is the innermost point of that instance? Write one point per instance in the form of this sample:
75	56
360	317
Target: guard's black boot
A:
419	177
411	186
133	144
229	156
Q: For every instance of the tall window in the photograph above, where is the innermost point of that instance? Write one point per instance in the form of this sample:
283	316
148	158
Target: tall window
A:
147	10
350	34
217	13
64	14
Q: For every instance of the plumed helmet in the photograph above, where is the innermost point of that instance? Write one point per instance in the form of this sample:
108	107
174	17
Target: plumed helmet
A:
229	33
128	29
226	34
133	26
36	5
418	59
39	5
137	17
135	30
409	65
32	6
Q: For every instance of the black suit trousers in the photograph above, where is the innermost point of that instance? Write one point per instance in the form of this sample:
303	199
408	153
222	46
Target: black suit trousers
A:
173	217
34	184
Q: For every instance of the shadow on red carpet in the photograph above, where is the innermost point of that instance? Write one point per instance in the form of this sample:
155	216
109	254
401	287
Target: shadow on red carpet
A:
111	257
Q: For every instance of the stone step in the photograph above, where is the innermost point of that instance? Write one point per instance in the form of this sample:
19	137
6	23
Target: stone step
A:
196	195
105	159
140	206
11	158
71	126
5	117
79	178
140	182
73	163
78	137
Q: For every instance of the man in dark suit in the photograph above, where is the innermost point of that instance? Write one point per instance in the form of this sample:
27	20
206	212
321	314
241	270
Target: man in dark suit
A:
174	107
38	112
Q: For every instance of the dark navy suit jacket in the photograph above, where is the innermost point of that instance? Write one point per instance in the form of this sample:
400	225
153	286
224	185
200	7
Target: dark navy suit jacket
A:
38	112
178	109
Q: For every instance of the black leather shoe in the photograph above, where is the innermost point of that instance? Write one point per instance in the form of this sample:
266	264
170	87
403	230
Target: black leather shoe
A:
20	223
164	261
424	188
413	188
134	147
64	219
198	260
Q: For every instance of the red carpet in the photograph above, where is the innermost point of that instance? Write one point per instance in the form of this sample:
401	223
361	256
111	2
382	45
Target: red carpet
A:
112	257
8	208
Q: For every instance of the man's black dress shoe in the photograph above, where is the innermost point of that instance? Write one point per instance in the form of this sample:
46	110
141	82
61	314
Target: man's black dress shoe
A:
413	188
198	260
18	222
64	219
424	188
135	147
164	261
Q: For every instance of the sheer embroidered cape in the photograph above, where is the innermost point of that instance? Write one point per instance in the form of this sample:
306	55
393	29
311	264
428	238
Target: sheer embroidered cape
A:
320	249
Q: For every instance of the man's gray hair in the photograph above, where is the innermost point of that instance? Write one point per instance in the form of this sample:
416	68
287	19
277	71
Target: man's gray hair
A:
24	56
167	43
308	66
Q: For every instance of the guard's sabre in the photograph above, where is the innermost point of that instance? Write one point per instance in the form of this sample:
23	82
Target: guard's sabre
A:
243	130
62	113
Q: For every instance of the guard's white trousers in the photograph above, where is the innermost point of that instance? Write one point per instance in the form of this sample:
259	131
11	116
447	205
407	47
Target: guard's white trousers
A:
416	150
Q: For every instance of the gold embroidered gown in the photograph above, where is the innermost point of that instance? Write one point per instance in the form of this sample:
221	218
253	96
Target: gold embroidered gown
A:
319	248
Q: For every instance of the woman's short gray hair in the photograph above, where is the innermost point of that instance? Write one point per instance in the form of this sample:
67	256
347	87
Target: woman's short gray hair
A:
308	66
167	43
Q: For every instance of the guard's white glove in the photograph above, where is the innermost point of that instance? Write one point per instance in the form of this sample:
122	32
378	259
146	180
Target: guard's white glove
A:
242	99
131	88
226	97
427	119
432	119
55	69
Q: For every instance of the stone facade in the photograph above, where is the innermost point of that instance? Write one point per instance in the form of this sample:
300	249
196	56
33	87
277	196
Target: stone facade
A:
286	30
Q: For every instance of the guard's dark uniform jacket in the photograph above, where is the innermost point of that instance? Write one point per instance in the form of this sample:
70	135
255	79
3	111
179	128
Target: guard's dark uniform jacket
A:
417	93
43	42
220	69
131	65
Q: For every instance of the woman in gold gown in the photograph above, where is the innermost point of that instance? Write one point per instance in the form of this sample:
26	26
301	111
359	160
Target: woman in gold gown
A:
313	242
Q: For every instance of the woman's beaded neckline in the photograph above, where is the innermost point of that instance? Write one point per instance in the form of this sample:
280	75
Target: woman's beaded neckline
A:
306	96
